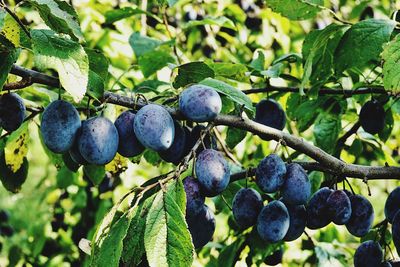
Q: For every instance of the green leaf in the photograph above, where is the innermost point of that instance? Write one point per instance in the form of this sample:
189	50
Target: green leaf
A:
17	147
389	123
192	72
98	72
65	177
362	43
66	56
234	136
296	9
167	239
230	70
221	21
391	56
142	44
228	253
235	94
316	179
95	173
11	33
126	12
3	14
326	130
258	62
8	59
153	61
59	16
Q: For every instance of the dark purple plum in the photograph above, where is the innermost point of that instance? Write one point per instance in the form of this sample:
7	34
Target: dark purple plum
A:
396	231
200	103
201	227
246	206
372	117
368	254
275	258
74	150
4	216
194	198
60	123
208	140
273	222
270	173
362	216
317	209
339	207
98	143
392	205
177	151
154	127
298	221
213	172
6	230
12	112
296	189
270	113
129	145
386	264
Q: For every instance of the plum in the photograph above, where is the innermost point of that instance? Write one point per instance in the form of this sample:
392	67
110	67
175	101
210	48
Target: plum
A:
296	189
362	216
317	209
201	226
339	207
246	206
209	140
392	205
298	221
372	117
270	173
154	127
275	258
213	172
396	231
368	254
129	145
270	113
74	150
98	143
200	103
12	111
178	149
59	126
273	222
194	198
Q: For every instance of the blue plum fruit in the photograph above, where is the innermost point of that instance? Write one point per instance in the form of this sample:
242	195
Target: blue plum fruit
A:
246	206
270	113
129	145
339	207
396	231
201	227
368	254
200	103
12	112
194	198
98	142
209	140
178	149
392	205
213	172
362	216
273	222
270	173
74	150
60	123
372	117
317	209
154	127
296	189
298	221
275	258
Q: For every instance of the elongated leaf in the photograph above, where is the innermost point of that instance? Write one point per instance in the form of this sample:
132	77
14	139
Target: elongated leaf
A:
95	173
98	72
65	56
234	136
391	69
230	70
153	61
221	21
326	130
8	59
17	147
126	12
142	44
296	9
192	72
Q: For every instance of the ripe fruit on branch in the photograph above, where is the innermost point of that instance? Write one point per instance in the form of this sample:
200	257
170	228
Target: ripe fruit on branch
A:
12	112
270	173
369	253
213	172
372	117
178	149
273	222
60	123
201	226
339	207
246	206
200	103
317	209
194	198
129	145
209	140
275	258
396	231
362	216
270	113
298	221
98	142
392	205
296	189
154	127
74	150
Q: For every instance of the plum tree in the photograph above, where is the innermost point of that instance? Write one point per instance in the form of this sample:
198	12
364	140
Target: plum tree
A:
98	143
372	117
392	204
273	222
275	258
246	206
154	127
270	173
296	189
12	111
178	149
297	223
74	150
317	209
59	125
362	216
209	140
368	254
270	113
213	172
201	226
194	198
339	207
200	103
129	145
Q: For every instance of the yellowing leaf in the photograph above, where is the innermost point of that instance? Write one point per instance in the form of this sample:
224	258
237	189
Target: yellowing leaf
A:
118	164
11	30
17	148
